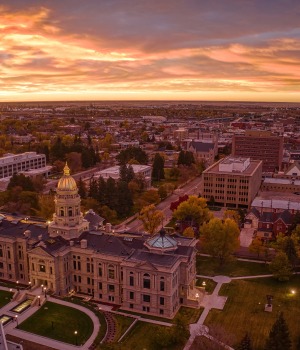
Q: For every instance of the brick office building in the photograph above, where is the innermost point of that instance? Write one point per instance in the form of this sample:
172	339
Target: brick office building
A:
259	145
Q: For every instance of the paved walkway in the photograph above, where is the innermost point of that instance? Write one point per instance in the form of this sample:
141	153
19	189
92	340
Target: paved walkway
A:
12	329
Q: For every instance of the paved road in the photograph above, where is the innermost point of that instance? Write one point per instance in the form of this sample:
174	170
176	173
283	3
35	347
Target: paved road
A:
193	187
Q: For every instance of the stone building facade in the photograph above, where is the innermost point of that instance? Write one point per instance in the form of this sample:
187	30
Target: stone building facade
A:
153	275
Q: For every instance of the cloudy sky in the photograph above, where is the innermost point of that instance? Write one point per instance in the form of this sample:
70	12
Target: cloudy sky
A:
150	49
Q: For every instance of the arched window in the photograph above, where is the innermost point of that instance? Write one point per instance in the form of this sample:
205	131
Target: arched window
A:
146	281
62	212
100	271
131	279
70	211
111	272
162	284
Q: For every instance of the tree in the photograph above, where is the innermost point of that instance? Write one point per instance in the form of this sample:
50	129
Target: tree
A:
158	171
245	344
194	210
22	181
189	232
280	267
279	336
256	246
82	188
220	238
151	218
46	206
232	214
132	153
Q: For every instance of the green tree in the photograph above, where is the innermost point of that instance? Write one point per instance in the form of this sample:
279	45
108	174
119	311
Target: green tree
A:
46	206
151	218
132	153
281	267
22	181
220	238
279	336
158	171
82	189
194	211
232	214
245	344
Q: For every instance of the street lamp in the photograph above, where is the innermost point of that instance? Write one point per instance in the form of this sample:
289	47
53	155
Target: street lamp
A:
45	289
39	297
29	285
76	341
17	285
204	284
16	318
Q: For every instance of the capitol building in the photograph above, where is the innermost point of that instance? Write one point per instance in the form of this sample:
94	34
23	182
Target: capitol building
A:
153	275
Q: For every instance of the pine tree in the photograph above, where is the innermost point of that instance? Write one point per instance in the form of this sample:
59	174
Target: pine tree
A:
279	337
245	343
81	188
158	172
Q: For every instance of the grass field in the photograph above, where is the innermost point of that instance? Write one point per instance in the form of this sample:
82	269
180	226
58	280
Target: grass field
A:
122	324
59	322
244	309
210	285
5	297
140	337
209	266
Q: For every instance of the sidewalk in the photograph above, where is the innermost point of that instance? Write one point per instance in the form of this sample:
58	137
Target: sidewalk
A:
12	329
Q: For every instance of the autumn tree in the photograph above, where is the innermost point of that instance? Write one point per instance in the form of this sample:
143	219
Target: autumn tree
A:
189	232
256	246
194	211
232	214
279	336
220	238
151	218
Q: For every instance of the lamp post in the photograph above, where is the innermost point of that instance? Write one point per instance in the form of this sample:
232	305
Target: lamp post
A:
45	289
29	285
204	284
16	318
17	285
76	341
39	297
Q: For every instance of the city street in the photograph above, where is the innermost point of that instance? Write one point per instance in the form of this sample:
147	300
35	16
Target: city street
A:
191	188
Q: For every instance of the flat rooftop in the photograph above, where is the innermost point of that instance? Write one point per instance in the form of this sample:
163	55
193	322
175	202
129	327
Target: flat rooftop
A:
229	161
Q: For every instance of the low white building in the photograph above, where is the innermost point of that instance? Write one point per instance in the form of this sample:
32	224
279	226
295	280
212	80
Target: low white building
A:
114	173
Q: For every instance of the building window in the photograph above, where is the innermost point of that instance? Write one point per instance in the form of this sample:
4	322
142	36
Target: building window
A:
100	296
146	298
111	288
111	272
146	308
131	281
100	285
88	280
161	301
161	311
162	286
1	265
100	270
88	267
1	251
111	298
42	268
131	306
131	295
146	281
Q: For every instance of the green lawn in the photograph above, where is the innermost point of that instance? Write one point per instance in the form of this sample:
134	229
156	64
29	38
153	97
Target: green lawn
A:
122	324
5	297
210	285
140	337
209	266
244	309
59	322
190	314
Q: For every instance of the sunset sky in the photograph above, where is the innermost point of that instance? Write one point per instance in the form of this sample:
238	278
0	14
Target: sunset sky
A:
156	49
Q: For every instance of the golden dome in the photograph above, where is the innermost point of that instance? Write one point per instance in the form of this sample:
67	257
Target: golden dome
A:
66	182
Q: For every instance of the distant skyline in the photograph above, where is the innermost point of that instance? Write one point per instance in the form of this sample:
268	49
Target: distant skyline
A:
231	50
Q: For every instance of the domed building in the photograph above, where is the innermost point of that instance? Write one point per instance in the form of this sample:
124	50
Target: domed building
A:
151	275
68	221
